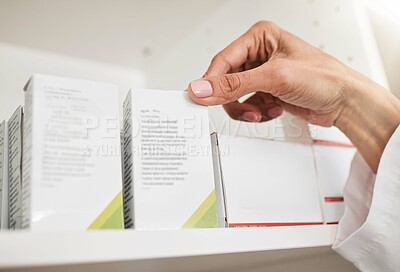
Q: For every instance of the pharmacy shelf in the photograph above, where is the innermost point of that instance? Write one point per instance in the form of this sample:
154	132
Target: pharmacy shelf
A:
168	250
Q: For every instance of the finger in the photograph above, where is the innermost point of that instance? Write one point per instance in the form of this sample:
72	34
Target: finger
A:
230	87
243	111
248	65
270	112
260	98
269	105
231	58
260	107
254	46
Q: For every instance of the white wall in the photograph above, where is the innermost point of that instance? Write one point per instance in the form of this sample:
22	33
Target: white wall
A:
166	44
387	33
162	44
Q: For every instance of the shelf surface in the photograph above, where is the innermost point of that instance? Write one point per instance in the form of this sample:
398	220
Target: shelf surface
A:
29	249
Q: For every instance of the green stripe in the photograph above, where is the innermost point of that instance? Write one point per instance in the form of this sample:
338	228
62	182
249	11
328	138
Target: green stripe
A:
206	214
111	217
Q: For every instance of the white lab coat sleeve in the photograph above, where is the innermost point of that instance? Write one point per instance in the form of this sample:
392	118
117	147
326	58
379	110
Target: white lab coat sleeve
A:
369	231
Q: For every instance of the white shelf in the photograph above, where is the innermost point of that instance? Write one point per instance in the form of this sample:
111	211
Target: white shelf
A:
129	249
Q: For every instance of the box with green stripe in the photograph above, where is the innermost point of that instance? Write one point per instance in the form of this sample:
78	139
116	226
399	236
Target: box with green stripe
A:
168	162
71	178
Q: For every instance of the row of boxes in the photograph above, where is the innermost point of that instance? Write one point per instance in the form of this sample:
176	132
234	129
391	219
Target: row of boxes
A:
65	165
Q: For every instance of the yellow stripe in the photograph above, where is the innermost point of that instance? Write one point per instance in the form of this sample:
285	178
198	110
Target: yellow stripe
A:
201	210
107	213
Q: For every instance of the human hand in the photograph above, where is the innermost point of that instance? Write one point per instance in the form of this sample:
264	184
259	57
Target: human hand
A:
286	73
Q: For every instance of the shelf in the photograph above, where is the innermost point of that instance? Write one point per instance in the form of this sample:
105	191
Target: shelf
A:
24	249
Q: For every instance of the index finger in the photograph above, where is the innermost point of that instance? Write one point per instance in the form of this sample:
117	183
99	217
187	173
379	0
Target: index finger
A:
250	47
230	58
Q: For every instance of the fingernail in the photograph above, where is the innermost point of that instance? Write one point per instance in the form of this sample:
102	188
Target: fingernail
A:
201	88
275	112
250	116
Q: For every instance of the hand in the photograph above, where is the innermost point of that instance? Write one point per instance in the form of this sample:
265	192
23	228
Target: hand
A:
288	74
284	71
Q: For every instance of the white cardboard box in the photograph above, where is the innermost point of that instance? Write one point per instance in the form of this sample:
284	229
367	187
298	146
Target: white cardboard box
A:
71	166
14	169
3	175
269	183
169	180
333	168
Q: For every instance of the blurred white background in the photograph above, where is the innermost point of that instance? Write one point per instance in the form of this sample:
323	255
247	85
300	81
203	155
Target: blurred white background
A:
166	44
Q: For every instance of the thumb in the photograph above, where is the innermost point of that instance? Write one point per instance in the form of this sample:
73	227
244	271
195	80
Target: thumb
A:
227	88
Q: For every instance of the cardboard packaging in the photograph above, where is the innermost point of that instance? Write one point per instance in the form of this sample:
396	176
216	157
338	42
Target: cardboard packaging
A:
168	164
71	166
333	168
268	183
334	153
4	175
14	169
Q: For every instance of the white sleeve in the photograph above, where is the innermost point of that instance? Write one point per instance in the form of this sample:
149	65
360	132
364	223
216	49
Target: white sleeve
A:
369	231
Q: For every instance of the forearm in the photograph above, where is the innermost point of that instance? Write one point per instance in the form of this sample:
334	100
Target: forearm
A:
369	118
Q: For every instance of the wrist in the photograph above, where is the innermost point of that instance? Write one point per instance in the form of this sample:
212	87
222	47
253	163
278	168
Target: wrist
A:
369	117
